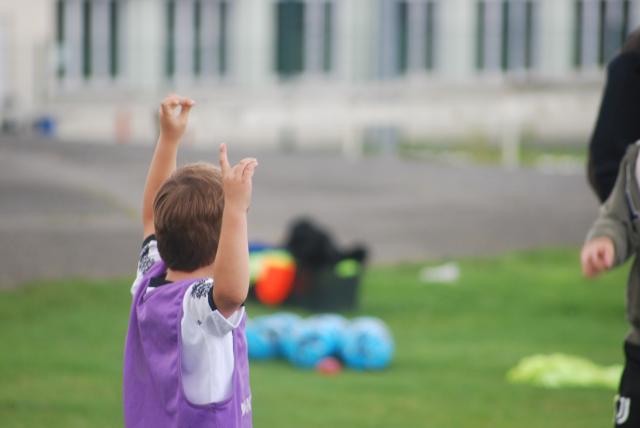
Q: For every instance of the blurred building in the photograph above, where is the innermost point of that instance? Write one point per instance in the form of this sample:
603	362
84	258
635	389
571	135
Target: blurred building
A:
312	72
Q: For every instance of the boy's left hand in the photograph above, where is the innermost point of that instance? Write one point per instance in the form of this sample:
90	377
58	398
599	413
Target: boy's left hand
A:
237	181
173	123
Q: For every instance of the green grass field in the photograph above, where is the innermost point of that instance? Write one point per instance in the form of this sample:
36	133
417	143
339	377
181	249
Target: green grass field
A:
481	151
61	350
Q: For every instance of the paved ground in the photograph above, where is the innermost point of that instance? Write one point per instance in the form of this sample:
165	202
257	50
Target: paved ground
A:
72	210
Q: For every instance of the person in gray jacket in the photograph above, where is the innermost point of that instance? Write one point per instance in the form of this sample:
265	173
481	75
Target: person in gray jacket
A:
612	240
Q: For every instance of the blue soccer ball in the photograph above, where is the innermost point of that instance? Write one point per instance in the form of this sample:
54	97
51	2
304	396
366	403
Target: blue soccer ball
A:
264	334
281	324
334	327
367	344
261	340
307	344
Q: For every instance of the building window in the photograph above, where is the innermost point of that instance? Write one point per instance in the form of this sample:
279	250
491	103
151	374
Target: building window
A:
506	35
222	37
430	36
114	38
88	39
600	28
290	37
197	39
304	37
60	39
408	32
401	18
327	34
170	54
202	49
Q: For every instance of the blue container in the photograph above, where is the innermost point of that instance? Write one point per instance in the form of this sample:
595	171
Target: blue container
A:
45	126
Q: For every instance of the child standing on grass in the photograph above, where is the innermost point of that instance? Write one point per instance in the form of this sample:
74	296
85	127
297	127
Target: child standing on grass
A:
614	238
185	362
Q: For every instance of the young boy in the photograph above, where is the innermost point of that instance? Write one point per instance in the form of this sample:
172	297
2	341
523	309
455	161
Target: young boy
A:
613	238
185	362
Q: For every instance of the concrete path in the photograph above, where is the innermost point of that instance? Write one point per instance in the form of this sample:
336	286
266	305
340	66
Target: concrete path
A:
71	210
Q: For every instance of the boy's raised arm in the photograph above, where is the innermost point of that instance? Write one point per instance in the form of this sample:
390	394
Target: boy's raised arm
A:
163	163
231	266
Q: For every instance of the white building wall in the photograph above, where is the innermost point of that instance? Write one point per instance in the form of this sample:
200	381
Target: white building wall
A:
356	47
27	32
556	38
252	104
457	40
144	34
252	43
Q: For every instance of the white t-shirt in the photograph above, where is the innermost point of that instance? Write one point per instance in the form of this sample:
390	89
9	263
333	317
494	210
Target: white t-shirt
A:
207	342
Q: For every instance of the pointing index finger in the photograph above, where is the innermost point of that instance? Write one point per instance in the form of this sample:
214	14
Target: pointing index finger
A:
224	161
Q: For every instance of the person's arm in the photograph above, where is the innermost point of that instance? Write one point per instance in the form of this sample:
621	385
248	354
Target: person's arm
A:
608	241
231	266
163	163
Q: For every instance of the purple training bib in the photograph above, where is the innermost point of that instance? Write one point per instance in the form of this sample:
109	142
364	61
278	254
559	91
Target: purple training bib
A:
152	386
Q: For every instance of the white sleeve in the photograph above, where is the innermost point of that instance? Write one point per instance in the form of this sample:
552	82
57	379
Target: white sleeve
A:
199	308
149	255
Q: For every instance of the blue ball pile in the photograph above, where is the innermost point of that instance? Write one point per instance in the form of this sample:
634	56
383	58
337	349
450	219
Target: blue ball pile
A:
362	344
264	334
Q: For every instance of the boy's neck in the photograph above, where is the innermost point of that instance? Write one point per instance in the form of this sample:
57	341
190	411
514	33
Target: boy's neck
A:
176	275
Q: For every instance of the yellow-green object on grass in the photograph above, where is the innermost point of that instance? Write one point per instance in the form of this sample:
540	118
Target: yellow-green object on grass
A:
561	370
347	268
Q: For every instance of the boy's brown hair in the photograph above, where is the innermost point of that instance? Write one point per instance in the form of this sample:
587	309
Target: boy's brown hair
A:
188	216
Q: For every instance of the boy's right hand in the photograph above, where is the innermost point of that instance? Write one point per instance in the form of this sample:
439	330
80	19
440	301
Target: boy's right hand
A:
597	256
173	123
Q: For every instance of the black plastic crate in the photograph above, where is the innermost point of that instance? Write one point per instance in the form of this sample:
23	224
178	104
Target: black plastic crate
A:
324	290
